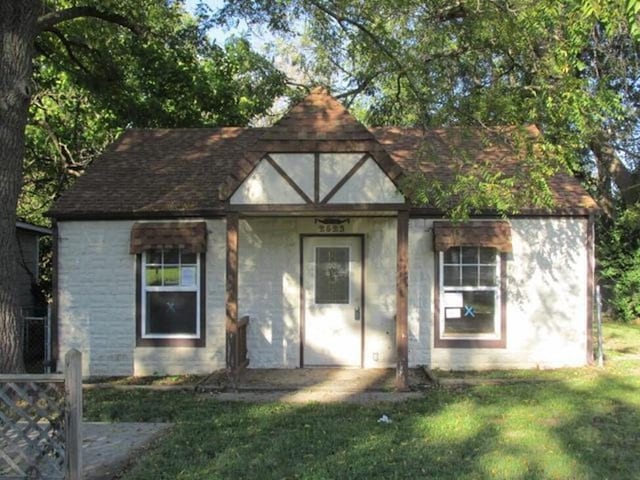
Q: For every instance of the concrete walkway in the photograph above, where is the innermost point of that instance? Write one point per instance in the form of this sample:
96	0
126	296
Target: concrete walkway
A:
107	448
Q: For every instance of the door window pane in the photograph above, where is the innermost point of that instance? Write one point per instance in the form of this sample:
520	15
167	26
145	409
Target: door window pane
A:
332	275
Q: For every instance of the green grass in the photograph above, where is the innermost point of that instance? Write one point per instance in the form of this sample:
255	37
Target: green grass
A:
584	425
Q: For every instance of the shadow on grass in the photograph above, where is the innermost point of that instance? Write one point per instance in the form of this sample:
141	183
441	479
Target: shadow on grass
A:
577	429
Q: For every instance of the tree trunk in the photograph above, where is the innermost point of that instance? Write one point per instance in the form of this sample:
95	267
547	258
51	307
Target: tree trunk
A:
611	170
17	34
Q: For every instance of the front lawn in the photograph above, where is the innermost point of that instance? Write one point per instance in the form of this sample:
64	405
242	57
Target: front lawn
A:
581	426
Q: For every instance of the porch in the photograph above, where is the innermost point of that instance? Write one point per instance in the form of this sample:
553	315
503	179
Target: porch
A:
275	276
314	384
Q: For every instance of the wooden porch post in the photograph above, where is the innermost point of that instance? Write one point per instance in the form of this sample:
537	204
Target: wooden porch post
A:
232	278
402	300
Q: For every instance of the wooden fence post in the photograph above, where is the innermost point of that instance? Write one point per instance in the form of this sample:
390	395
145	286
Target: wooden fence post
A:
73	413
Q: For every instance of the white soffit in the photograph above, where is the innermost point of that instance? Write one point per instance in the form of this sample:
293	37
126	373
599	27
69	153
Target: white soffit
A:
333	168
299	166
265	186
369	184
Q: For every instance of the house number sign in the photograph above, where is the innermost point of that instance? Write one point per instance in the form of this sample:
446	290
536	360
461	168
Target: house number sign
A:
331	225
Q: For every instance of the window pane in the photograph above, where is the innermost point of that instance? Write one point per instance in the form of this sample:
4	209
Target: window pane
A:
488	276
452	255
171	256
487	255
452	276
153	275
154	256
469	254
188	258
470	276
475	317
332	275
188	277
171	275
171	313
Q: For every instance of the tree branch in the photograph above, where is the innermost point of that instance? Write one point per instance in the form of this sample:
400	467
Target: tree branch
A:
377	42
51	19
67	46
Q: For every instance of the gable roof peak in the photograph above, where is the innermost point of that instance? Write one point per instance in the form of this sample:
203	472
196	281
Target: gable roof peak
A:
318	116
319	90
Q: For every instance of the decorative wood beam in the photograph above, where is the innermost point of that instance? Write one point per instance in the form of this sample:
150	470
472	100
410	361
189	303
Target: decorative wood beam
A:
345	179
402	302
231	299
590	286
288	179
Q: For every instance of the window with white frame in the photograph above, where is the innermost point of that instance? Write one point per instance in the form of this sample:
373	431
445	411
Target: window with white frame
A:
470	290
170	287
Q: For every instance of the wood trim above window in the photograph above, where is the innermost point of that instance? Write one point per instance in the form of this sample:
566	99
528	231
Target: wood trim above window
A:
190	236
495	234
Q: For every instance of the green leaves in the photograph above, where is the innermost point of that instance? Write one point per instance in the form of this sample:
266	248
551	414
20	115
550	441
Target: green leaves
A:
94	78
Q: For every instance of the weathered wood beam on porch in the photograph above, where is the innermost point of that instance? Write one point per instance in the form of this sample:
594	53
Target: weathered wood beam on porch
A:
231	298
402	302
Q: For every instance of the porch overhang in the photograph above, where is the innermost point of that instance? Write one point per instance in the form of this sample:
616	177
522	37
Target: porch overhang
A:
402	263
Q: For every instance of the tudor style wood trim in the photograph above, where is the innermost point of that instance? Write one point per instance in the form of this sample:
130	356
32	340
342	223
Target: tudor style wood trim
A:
590	244
302	302
363	298
287	179
316	177
501	342
231	296
320	209
345	179
402	302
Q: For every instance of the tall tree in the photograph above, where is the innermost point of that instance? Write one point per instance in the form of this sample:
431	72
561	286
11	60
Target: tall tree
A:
75	75
571	68
20	24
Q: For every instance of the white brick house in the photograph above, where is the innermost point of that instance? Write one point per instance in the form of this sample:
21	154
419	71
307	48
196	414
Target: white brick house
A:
172	236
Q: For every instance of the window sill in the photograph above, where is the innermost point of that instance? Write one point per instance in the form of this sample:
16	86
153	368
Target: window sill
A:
469	343
170	342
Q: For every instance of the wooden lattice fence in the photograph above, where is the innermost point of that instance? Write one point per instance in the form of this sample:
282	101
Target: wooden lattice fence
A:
40	424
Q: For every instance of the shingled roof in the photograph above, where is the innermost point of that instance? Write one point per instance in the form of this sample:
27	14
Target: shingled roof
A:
192	172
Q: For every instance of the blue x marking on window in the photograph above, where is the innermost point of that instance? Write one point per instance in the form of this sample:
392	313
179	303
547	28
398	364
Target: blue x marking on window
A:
171	307
469	311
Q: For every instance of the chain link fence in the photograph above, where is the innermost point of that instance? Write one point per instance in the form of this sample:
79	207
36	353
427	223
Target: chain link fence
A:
36	339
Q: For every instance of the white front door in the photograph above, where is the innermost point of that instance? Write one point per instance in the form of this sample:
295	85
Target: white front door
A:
332	309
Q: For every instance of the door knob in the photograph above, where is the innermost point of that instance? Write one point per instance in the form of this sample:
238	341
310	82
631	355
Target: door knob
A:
357	314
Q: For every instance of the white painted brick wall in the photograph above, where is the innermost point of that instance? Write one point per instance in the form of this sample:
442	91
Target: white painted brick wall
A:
546	301
269	291
421	269
546	312
96	284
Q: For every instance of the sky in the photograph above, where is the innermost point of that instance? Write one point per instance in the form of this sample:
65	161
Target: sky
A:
258	39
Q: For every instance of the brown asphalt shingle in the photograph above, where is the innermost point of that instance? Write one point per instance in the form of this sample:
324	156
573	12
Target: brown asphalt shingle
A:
169	172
